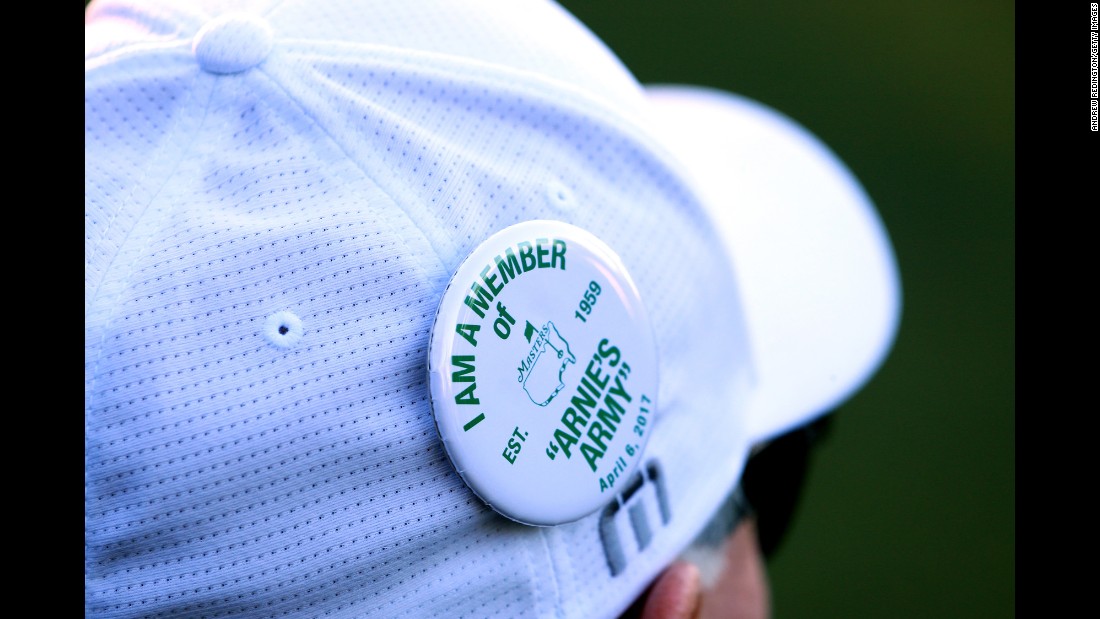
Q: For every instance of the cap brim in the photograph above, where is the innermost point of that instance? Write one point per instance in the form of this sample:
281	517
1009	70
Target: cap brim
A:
815	266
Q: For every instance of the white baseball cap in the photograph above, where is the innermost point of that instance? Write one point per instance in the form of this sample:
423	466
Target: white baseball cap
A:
289	206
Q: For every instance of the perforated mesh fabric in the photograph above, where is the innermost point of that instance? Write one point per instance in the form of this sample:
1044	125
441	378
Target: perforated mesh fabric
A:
265	250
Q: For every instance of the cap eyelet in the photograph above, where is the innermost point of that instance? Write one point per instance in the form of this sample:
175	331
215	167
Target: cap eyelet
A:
560	197
283	329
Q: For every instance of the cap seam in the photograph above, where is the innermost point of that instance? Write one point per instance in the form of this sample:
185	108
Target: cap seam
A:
558	605
103	326
145	171
499	78
440	262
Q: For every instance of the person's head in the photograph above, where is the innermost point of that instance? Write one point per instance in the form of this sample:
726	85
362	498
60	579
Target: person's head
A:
416	309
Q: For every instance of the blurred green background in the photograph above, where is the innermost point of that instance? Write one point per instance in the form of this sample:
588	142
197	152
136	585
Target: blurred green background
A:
910	506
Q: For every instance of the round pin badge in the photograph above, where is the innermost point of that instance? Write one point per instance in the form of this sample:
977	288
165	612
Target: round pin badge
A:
543	372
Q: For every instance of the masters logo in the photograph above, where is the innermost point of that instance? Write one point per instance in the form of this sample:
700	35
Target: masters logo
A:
543	382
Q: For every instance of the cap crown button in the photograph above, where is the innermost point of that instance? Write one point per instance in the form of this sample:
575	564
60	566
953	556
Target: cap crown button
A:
232	43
